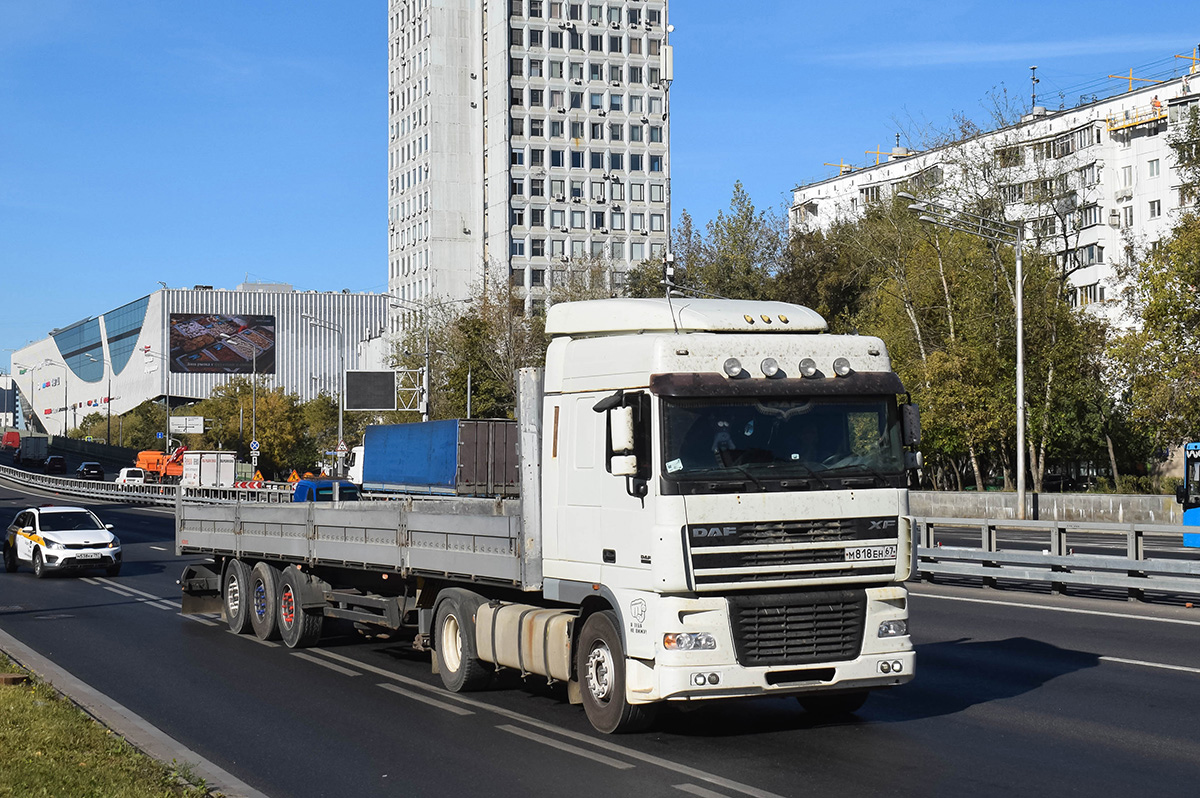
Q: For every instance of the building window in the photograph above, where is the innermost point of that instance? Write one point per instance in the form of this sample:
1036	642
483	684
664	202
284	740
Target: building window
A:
536	97
616	102
558	158
576	189
596	100
537	217
637	192
656	163
616	132
635	133
518	217
537	127
576	160
518	126
596	160
618	221
518	248
616	161
657	222
1127	216
537	157
537	187
1155	209
598	220
517	188
596	72
635	163
517	158
637	221
1153	168
657	192
597	129
535	38
537	249
517	37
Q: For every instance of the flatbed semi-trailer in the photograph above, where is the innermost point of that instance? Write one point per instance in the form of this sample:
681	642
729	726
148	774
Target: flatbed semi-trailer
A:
712	504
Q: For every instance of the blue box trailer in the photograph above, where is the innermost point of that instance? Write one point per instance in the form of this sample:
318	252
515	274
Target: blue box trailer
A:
456	457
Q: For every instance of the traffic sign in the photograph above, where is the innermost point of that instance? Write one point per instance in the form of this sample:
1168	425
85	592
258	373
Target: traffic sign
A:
253	445
341	447
160	435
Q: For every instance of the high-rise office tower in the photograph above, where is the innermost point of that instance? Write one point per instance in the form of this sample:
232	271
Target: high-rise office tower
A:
525	138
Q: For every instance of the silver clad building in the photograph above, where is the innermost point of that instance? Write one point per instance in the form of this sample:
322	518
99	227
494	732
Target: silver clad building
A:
182	343
523	136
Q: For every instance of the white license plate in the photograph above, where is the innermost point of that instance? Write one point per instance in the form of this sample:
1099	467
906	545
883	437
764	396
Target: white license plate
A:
869	553
88	556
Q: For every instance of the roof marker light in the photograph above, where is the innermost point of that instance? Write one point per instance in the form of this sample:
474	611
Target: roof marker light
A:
733	367
770	367
749	319
808	367
841	367
783	319
766	319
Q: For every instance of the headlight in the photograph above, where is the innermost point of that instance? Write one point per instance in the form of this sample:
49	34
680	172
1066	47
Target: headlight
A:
50	544
689	641
116	543
893	628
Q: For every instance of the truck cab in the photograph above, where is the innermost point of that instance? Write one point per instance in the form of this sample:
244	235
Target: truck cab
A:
1188	495
735	479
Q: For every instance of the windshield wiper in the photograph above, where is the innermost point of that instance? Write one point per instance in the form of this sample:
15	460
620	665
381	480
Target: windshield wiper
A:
860	466
788	463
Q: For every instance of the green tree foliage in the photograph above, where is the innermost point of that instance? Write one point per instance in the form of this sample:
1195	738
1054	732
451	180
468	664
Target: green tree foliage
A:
1160	359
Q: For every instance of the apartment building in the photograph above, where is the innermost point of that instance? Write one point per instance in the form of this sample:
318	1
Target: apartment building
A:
1093	184
524	137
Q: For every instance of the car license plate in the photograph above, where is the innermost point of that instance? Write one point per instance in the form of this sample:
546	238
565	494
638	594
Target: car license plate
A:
88	556
870	553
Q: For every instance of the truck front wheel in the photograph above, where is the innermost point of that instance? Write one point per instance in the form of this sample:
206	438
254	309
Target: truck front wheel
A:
454	643
264	599
600	662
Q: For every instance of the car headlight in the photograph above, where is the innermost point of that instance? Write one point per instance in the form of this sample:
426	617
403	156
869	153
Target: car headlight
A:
893	628
115	543
50	544
689	641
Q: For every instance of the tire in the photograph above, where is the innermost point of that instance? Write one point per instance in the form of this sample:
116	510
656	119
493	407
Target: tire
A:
264	601
113	570
600	664
10	559
299	628
235	597
454	643
39	564
833	706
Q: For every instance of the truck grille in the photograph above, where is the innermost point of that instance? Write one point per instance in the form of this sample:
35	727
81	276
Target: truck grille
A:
780	554
798	628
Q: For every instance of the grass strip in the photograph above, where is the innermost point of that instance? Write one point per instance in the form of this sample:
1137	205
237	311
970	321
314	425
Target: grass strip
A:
50	747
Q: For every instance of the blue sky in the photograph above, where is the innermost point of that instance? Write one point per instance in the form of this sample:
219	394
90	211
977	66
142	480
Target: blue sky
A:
207	142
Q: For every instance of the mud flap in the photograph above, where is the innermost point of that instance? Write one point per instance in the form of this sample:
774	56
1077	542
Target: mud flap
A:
201	590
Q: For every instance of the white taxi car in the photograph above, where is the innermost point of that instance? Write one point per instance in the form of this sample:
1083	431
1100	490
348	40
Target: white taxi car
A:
54	538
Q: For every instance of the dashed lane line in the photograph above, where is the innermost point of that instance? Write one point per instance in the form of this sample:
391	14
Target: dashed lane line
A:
1158	665
333	666
613	748
254	639
1023	605
695	789
424	699
559	745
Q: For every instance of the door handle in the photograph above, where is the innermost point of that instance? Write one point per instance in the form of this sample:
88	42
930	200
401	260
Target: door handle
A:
610	555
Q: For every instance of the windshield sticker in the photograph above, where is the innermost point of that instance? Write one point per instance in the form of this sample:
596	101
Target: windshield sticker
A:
674	465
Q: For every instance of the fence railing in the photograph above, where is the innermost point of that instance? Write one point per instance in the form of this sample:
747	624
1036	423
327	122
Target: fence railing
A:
142	494
1053	560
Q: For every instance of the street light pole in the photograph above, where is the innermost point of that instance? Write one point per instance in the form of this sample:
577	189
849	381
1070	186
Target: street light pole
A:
329	325
1000	233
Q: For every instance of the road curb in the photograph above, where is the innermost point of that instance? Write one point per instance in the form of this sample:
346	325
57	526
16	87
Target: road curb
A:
139	732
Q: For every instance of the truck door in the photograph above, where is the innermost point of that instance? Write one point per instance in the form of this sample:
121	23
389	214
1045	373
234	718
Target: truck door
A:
604	525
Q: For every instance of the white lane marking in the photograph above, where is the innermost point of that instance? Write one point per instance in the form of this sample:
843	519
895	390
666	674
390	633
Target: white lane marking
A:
145	598
198	619
558	745
133	590
254	639
158	548
89	580
1123	615
118	592
697	790
318	661
666	764
424	699
1145	664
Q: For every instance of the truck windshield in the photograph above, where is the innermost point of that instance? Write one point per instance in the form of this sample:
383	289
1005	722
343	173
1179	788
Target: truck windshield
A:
783	443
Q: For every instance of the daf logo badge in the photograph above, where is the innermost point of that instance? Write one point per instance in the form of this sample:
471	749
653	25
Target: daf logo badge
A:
713	531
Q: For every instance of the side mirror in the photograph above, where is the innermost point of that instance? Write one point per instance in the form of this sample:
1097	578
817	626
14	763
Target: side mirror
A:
108	526
27	529
620	427
910	423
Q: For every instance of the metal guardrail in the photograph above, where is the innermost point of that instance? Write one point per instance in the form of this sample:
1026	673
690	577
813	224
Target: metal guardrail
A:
164	495
1057	564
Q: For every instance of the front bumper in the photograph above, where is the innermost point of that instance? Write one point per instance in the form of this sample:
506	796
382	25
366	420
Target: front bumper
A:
683	682
79	559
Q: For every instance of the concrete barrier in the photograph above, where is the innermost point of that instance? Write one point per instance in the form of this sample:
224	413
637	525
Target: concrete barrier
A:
1091	507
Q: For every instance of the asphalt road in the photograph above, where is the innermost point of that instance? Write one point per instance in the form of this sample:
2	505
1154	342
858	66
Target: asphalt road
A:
1016	693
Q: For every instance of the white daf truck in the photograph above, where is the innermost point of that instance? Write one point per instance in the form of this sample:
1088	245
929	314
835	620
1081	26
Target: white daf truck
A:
712	504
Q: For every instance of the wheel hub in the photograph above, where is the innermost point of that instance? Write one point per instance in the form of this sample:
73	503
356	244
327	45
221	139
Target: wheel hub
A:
451	644
599	673
233	595
260	600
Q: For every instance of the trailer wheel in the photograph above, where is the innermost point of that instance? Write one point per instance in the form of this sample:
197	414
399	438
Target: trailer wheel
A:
833	706
235	596
264	599
600	663
300	628
454	643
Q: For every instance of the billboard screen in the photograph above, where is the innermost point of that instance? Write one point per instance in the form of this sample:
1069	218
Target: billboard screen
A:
209	343
370	390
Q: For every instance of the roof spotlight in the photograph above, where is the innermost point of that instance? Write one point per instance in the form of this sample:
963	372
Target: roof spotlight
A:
733	367
770	366
841	367
808	367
